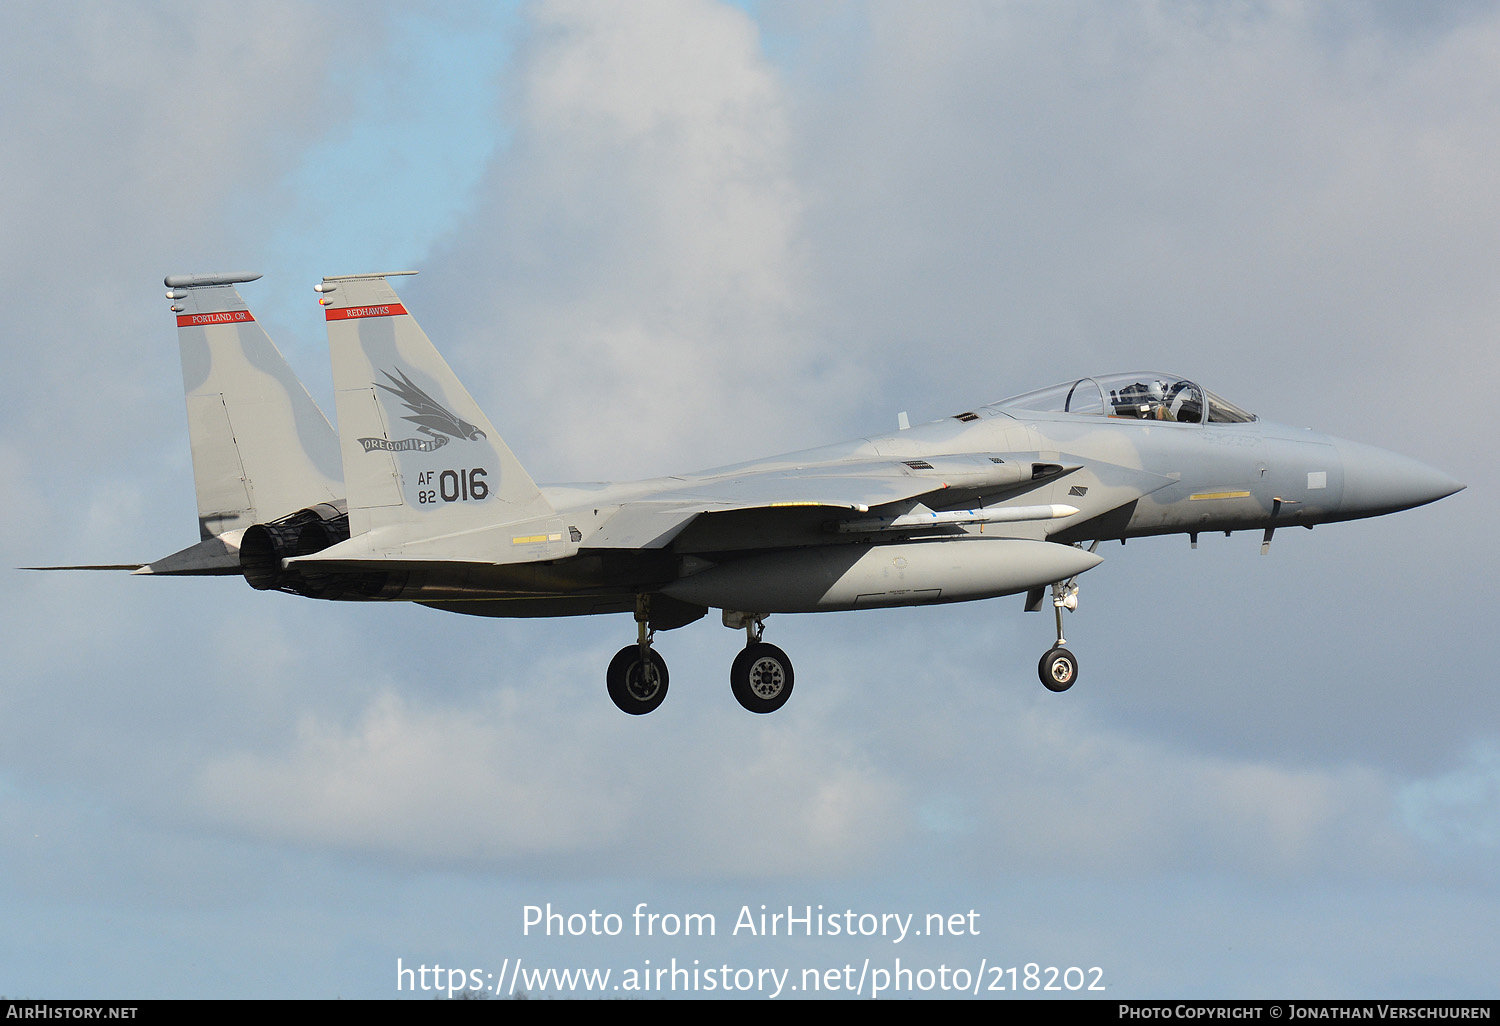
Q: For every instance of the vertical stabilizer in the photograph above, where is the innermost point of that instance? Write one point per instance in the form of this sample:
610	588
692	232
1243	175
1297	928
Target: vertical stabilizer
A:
416	448
261	447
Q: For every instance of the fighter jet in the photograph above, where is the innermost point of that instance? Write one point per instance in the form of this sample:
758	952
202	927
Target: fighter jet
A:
417	498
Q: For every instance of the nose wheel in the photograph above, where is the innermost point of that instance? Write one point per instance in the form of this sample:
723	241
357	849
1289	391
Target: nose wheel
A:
1059	667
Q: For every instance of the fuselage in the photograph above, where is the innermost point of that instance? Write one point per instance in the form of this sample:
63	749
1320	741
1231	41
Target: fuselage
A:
1133	478
1126	476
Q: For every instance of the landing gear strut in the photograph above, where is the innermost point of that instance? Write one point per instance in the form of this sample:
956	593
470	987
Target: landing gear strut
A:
1059	667
637	675
761	676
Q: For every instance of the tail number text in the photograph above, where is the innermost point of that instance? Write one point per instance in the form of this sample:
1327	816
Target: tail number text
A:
452	485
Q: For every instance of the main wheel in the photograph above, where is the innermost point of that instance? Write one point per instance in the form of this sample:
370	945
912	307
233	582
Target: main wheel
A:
1058	669
634	688
761	678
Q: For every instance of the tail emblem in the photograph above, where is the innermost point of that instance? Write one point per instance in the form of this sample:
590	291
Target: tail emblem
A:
430	416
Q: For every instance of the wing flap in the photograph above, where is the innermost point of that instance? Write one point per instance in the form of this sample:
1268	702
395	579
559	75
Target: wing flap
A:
643	525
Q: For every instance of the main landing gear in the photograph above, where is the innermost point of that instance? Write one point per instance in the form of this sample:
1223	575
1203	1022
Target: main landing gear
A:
760	678
637	675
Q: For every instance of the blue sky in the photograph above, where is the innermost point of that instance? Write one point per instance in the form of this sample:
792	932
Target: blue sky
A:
657	237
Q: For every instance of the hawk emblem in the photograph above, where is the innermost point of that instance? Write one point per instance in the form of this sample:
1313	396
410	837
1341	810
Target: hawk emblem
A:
431	418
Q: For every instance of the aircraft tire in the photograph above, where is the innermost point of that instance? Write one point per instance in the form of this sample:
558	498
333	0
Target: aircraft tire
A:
1058	670
761	678
633	692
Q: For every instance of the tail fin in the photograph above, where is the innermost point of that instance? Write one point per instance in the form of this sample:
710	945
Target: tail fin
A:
261	447
417	449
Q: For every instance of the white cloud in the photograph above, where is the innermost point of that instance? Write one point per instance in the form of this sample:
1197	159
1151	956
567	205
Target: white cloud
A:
638	256
544	776
1273	198
1458	812
132	132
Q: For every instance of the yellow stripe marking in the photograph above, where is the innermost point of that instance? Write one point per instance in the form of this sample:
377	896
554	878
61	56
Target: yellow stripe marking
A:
1219	495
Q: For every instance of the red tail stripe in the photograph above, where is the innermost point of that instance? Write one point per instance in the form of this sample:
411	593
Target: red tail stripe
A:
222	317
346	313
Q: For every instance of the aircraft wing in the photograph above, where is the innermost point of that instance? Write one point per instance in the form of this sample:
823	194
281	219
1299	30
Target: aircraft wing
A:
784	492
769	503
779	489
655	522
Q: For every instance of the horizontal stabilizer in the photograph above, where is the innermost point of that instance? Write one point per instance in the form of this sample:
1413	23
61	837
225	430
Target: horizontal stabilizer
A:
214	557
211	557
132	567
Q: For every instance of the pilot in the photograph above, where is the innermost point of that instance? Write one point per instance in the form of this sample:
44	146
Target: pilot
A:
1183	404
1161	409
1154	405
1141	400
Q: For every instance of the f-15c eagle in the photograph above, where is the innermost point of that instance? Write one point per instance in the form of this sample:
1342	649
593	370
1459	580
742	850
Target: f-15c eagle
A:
416	497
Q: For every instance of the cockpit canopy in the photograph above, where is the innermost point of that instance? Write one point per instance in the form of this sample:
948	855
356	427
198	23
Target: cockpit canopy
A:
1143	395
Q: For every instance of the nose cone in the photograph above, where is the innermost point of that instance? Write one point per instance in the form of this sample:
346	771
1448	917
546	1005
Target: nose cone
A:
1377	481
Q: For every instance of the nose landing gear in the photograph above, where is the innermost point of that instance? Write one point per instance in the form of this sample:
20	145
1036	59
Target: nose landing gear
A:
1059	667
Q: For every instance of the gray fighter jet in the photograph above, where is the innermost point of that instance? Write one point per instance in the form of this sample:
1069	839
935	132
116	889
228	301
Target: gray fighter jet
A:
416	497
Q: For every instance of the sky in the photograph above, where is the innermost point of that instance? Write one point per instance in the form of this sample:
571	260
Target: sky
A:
662	236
